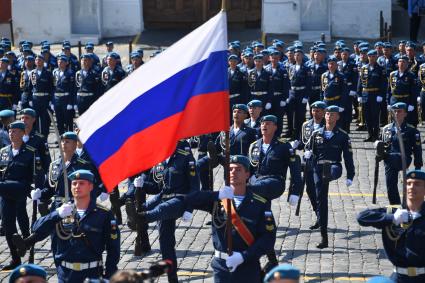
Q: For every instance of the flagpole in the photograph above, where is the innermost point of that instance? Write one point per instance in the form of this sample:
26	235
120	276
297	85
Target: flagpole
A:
223	5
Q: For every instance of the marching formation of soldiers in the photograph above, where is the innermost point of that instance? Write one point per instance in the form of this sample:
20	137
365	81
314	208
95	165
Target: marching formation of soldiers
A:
385	93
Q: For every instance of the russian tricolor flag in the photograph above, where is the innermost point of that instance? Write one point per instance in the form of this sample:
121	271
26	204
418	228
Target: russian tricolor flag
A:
182	92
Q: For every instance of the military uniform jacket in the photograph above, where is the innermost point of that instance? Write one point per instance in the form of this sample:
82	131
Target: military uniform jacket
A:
388	65
9	86
93	233
64	82
411	139
239	142
179	174
334	89
25	82
88	82
260	85
413	65
130	68
307	130
350	72
23	167
39	142
74	63
406	251
371	82
280	84
275	161
421	77
316	71
112	77
300	82
256	126
42	82
55	176
51	63
402	88
331	149
254	212
238	86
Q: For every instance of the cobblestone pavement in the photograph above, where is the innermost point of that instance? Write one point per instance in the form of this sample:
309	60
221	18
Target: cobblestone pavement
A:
355	253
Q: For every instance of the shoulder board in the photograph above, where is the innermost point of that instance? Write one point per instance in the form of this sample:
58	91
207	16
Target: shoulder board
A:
102	207
182	152
82	160
341	130
390	208
283	140
259	198
39	135
410	126
30	148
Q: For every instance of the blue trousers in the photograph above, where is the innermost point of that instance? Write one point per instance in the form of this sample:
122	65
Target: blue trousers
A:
392	165
84	102
64	117
41	104
372	115
246	272
66	275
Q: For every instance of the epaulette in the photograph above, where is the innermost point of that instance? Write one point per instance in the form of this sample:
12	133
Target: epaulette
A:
259	198
254	142
30	148
342	131
283	140
182	152
82	160
410	126
39	135
102	207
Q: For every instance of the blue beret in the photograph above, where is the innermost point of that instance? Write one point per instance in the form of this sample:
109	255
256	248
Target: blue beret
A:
27	270
6	113
388	45
290	49
364	44
265	52
379	279
240	159
364	49
70	136
399	105
39	56
4	59
402	42
44	50
240	107
411	44
416	174
81	174
283	271
63	58
403	57
255	103
345	49
357	42
372	53
66	42
46	46
379	43
278	44
318	104
298	43
259	44
232	57
135	54
323	45
114	55
321	50
66	46
274	51
248	54
85	56
333	108
140	51
271	118
29	111
26	49
109	43
332	59
313	48
298	50
258	56
17	125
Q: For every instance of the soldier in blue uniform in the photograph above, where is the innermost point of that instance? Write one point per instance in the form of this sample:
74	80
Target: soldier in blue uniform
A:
371	89
300	78
64	95
317	68
334	92
314	124
348	68
112	74
109	48
240	137
413	61
325	146
401	49
247	61
88	85
85	231
392	160
259	83
19	169
403	231
255	107
90	51
42	91
238	85
25	83
73	61
9	86
403	88
136	62
280	85
50	61
176	177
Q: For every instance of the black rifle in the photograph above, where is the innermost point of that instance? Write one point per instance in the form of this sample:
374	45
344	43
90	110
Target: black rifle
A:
34	207
142	239
297	211
114	198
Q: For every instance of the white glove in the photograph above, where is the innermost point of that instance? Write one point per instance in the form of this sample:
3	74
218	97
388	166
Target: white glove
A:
288	100
293	200
138	182
36	194
359	99
14	107
252	180
352	93
410	108
75	107
225	192
379	99
418	99
65	210
233	261
103	197
348	182
282	103
19	105
52	107
268	106
295	144
69	107
187	216
389	108
401	216
304	101
308	154
30	103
